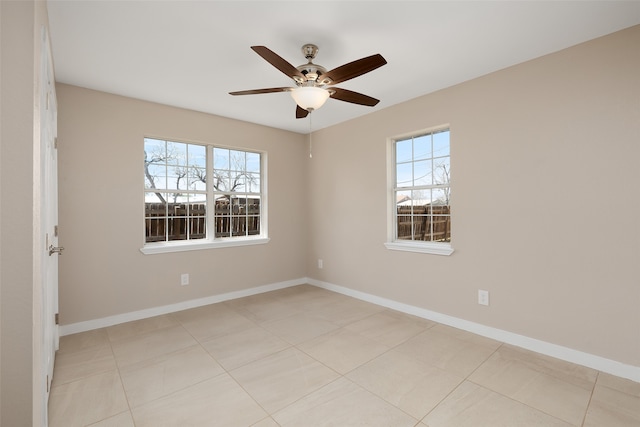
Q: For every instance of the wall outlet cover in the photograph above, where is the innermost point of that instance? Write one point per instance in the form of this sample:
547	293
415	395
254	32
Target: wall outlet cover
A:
483	297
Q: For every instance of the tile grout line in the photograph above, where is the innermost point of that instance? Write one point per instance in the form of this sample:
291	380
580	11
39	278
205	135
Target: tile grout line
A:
524	403
224	369
345	375
584	418
124	391
119	367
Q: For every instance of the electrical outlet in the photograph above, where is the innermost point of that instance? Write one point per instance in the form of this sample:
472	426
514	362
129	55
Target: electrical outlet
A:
320	264
184	279
483	297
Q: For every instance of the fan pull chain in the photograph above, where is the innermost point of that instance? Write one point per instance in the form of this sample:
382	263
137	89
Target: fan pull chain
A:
310	142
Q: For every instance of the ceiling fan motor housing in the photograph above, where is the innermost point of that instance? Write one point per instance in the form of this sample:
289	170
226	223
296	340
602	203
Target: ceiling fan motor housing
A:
311	71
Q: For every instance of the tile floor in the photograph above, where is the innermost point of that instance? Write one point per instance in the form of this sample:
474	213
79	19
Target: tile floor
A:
304	356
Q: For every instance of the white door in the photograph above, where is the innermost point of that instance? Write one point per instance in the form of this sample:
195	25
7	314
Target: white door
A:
49	210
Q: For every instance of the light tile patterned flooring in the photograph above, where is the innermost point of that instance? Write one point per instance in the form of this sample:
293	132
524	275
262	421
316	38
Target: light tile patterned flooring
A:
305	357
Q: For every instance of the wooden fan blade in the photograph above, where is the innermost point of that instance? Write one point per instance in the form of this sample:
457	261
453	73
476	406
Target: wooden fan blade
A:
353	97
277	61
354	69
301	113
258	91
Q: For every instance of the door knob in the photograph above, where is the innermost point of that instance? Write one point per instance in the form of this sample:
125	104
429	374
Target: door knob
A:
55	250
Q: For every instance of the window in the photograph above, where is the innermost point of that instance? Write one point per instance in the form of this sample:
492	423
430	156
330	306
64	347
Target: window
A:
420	173
199	196
236	191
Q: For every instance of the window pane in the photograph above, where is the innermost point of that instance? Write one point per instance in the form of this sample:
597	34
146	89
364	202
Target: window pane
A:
404	175
253	183
237	160
182	198
238	225
221	180
156	176
176	153
154	197
253	216
422	147
222	217
238	216
221	158
176	179
442	171
197	179
441	229
421	226
440	197
419	198
404	150
441	144
197	155
186	215
404	205
422	173
237	181
155	213
154	149
197	216
176	222
403	198
404	224
155	204
253	162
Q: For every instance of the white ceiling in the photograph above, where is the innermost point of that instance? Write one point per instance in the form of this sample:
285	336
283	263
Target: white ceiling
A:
190	54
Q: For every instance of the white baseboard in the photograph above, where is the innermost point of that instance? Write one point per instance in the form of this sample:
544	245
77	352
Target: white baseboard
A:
564	353
559	352
74	328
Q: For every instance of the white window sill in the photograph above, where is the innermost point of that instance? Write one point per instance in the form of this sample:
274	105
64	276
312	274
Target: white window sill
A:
421	247
167	247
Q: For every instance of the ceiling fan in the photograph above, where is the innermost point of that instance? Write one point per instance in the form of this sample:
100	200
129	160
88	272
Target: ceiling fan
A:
314	84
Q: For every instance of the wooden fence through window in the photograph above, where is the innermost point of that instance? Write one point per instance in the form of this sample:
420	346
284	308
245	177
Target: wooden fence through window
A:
237	219
430	223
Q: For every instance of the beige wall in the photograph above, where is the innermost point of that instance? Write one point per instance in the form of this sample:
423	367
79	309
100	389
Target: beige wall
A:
102	272
544	198
21	373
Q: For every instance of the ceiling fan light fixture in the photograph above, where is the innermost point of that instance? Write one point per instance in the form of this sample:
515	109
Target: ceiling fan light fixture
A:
309	97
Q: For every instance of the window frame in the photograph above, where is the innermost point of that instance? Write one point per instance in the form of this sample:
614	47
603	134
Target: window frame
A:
393	243
210	241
